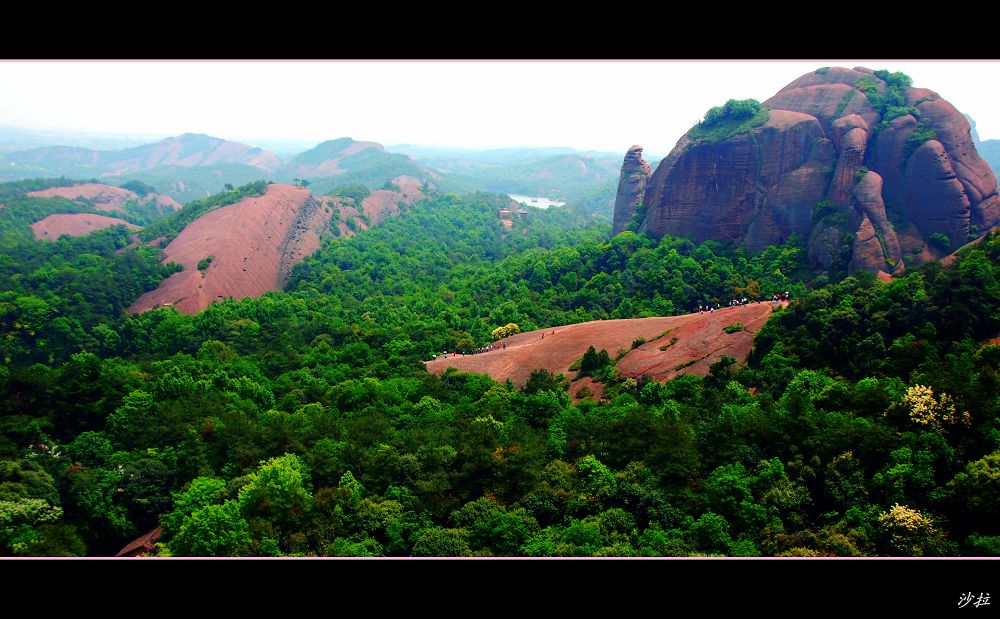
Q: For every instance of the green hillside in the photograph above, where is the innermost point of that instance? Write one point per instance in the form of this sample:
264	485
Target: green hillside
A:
303	422
186	184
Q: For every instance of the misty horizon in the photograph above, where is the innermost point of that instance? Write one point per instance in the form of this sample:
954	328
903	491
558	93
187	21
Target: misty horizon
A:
288	146
601	106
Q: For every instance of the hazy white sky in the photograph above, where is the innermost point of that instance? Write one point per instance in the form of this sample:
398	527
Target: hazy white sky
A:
584	105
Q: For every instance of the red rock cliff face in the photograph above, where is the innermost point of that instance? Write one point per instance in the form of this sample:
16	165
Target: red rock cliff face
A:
758	188
754	189
631	187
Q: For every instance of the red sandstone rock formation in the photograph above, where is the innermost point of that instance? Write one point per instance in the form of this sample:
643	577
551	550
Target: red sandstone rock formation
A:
255	243
107	197
631	187
758	188
698	341
74	224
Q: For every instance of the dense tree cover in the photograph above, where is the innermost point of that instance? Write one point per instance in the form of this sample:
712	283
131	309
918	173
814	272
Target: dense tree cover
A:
561	177
302	423
354	191
139	187
370	167
556	173
28	210
53	292
449	271
189	183
862	327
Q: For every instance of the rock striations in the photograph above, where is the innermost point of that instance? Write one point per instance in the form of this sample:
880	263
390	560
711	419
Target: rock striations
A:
869	185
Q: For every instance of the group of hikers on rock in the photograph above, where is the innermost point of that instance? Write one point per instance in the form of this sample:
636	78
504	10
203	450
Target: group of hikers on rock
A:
488	348
477	351
779	297
708	307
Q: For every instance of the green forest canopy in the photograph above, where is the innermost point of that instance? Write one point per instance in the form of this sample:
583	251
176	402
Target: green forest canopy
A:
303	422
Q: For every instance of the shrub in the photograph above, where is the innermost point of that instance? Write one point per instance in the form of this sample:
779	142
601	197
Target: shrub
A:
354	191
735	117
921	134
597	365
507	330
593	360
843	103
638	217
886	103
672	341
823	208
139	187
940	241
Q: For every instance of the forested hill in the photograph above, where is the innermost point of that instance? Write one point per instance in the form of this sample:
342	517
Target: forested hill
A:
303	422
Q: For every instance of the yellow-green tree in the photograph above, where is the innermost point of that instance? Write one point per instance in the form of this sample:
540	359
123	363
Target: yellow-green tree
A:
507	330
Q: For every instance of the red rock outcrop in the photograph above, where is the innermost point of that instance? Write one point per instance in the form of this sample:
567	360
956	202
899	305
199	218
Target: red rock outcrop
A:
933	197
975	175
686	344
888	150
384	203
885	254
631	188
255	243
74	224
758	188
249	243
867	249
107	197
721	190
187	150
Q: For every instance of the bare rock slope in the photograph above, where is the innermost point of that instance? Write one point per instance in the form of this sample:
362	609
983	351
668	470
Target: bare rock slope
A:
74	224
686	344
255	243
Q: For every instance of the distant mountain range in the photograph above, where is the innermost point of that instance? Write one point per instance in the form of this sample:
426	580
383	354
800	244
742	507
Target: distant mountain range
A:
989	150
192	166
559	173
188	150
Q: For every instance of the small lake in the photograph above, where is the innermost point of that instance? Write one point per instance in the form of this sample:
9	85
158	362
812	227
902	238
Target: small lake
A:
536	201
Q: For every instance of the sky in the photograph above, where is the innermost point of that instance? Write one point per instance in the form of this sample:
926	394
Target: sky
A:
605	106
